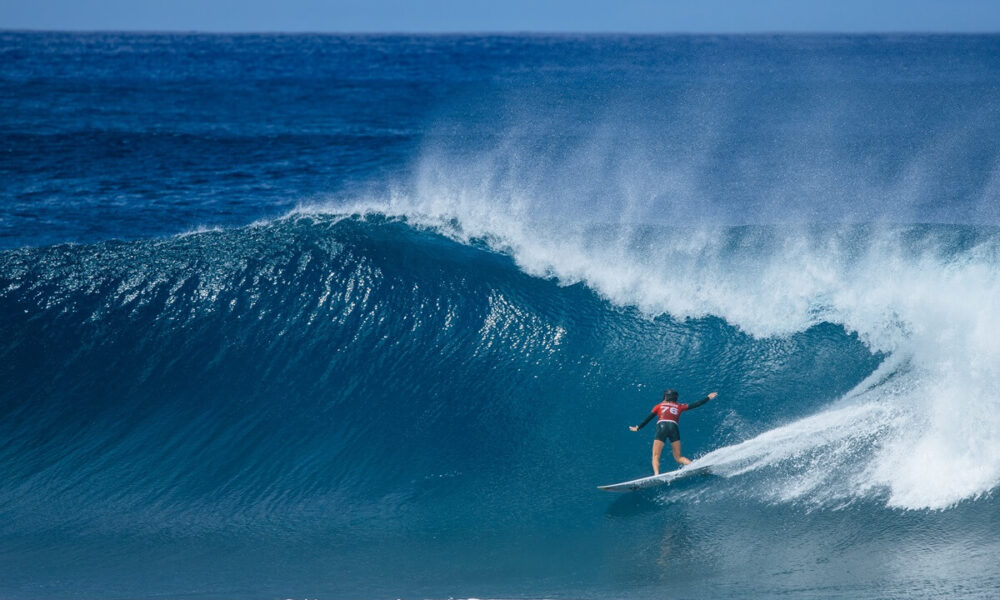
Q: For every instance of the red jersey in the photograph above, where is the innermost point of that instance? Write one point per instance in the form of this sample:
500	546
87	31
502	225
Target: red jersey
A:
669	411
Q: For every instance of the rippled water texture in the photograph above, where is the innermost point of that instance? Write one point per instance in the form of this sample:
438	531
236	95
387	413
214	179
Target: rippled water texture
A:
368	316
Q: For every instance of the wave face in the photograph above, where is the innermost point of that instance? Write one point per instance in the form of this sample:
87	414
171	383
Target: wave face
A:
325	397
377	329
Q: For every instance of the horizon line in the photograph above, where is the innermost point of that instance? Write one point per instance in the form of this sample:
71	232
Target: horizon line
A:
507	32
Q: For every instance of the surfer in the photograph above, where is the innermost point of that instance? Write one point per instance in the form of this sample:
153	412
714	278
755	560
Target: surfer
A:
668	412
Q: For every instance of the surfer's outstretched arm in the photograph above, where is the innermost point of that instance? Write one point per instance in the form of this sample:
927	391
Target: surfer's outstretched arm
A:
643	424
703	400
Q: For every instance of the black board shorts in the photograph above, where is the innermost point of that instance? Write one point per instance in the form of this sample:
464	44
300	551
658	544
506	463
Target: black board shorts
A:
668	430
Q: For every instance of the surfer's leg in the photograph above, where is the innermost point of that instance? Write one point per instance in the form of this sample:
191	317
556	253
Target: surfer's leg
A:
671	432
663	431
676	447
657	449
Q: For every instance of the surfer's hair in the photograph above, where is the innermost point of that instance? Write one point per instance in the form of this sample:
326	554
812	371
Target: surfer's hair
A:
669	395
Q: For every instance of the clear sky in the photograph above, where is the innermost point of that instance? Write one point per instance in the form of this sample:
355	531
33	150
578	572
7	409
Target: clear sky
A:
696	16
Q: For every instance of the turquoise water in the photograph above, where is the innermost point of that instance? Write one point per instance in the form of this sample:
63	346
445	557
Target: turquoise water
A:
368	317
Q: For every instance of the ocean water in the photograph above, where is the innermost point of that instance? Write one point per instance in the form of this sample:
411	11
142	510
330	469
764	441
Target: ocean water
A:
368	316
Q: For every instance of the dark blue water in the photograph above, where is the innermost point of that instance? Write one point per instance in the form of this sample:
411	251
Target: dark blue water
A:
368	316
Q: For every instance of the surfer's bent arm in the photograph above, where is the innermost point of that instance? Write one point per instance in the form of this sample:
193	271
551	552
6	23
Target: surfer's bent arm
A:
698	403
648	419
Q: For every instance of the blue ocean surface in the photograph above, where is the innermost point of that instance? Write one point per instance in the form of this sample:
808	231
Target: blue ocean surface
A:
361	316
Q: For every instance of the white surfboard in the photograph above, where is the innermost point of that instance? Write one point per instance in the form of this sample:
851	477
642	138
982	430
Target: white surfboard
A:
655	480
